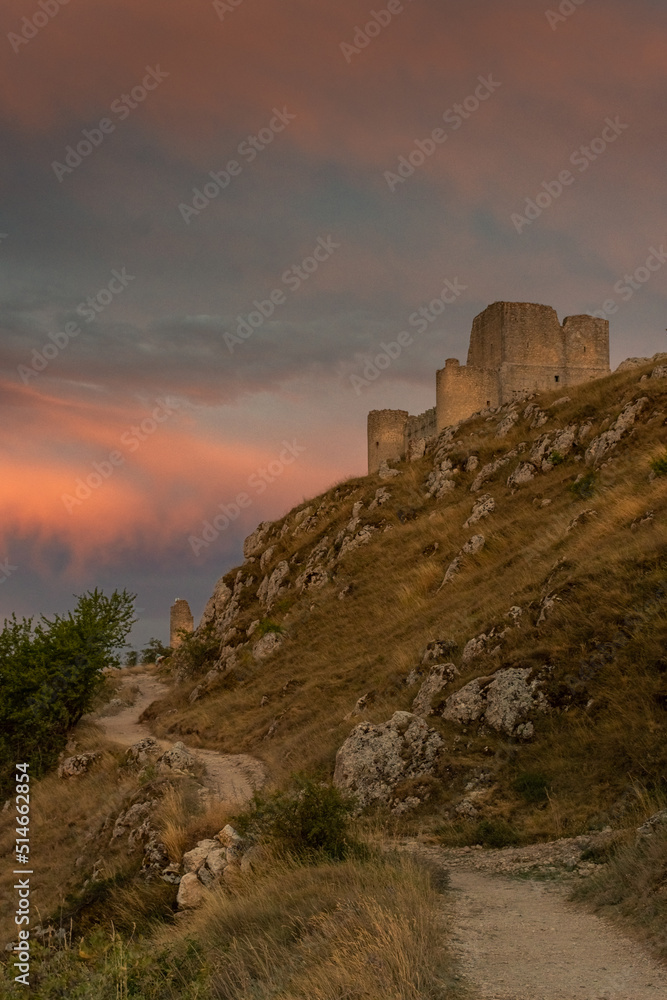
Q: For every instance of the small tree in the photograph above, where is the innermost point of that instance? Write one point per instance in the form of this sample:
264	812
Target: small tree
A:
50	672
131	658
154	648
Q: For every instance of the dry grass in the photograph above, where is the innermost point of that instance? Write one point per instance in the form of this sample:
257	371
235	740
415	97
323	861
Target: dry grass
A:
339	650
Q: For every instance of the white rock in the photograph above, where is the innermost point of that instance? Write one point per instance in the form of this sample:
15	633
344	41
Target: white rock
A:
438	678
374	759
191	892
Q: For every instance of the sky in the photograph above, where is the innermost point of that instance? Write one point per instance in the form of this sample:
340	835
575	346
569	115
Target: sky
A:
216	215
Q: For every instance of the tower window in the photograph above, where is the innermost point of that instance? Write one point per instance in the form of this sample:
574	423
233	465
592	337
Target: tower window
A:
557	378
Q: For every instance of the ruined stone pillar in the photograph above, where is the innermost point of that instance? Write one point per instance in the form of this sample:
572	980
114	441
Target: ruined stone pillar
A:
180	618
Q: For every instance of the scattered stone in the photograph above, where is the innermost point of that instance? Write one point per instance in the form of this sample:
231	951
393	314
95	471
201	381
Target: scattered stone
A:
441	480
384	472
581	518
646	518
506	424
374	758
439	649
523	473
361	705
439	677
382	496
659	372
487	471
561	401
431	549
471	464
178	759
655	824
471	547
547	605
481	508
73	767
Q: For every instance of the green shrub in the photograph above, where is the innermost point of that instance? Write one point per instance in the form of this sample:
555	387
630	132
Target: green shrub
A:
659	465
50	674
198	651
311	819
533	786
584	487
266	625
556	458
495	833
154	648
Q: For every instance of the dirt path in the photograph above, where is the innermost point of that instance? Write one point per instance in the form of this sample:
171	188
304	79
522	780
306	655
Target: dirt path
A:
521	939
232	777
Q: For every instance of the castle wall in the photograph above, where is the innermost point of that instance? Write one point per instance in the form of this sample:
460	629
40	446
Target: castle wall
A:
386	437
462	390
586	347
418	432
515	348
180	617
521	333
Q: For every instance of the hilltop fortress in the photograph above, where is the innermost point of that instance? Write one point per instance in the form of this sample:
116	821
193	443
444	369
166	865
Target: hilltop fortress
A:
515	348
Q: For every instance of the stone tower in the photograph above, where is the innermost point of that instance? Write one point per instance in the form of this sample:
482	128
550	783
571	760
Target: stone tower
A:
180	618
515	348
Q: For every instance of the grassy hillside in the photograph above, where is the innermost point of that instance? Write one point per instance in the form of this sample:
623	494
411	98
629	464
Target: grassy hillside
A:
603	638
577	551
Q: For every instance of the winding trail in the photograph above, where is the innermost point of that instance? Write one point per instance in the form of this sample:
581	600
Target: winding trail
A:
521	939
232	777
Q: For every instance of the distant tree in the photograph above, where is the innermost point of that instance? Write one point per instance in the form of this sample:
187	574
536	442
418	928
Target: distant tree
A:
154	648
50	672
131	658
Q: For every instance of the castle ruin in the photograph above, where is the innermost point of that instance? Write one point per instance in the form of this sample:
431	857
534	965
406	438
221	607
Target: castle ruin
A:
180	617
515	348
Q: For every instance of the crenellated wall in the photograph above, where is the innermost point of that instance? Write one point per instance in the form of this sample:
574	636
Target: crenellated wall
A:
515	348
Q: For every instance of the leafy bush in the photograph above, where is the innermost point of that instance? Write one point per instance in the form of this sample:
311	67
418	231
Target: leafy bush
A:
310	819
154	648
266	625
584	487
131	658
659	465
197	652
556	458
533	786
50	673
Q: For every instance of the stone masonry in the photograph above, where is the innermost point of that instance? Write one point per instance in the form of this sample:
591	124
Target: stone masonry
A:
515	348
180	617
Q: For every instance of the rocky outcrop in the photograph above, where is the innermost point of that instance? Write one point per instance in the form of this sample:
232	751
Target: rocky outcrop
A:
375	758
600	445
441	480
267	645
471	548
210	864
481	508
272	587
144	752
178	760
439	677
506	701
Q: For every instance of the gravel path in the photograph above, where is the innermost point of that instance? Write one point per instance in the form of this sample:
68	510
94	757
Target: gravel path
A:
521	939
232	777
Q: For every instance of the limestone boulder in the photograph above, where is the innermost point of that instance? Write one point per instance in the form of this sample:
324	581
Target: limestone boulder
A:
191	892
375	758
524	472
272	585
80	763
481	508
600	445
178	759
142	753
506	701
267	645
216	603
439	676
